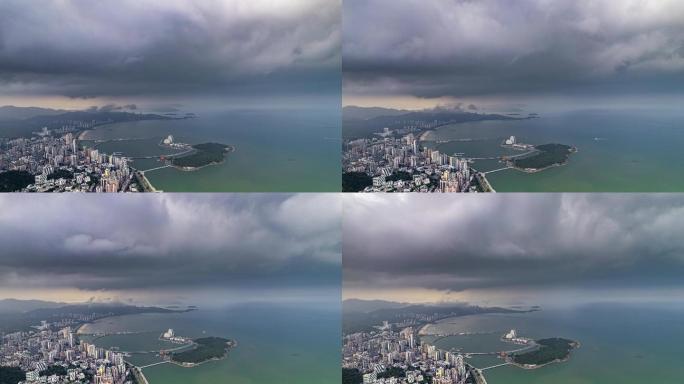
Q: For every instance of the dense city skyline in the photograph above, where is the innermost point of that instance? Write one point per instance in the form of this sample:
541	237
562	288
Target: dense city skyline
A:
171	249
529	56
554	249
163	56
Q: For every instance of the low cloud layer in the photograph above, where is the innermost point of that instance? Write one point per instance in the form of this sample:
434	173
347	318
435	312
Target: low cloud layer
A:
84	49
170	242
470	48
513	242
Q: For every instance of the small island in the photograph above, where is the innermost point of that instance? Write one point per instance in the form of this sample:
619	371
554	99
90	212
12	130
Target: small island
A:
543	157
202	156
204	349
547	351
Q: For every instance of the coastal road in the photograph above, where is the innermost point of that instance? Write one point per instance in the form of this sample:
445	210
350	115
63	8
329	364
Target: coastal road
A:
139	376
484	183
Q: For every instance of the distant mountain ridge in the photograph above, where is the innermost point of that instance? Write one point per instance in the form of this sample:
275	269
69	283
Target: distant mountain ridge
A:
10	112
115	308
364	113
365	315
22	306
358	122
22	314
56	118
358	305
84	115
352	112
42	307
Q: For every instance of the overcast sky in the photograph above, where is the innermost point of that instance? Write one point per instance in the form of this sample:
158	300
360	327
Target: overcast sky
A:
513	248
198	53
542	53
171	248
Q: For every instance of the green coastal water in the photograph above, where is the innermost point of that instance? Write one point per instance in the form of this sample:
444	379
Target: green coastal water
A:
618	151
276	344
278	151
619	344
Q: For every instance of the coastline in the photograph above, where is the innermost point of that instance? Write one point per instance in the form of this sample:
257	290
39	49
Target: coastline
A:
484	182
480	377
78	330
145	182
81	135
422	135
422	332
138	373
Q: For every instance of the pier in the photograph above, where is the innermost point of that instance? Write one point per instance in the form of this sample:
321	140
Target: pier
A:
153	364
494	366
497	170
169	156
154	169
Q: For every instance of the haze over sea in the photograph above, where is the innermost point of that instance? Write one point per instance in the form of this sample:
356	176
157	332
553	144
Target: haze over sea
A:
276	151
628	344
276	343
618	151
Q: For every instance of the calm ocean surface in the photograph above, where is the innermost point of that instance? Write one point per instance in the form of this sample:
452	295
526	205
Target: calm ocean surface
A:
619	151
626	344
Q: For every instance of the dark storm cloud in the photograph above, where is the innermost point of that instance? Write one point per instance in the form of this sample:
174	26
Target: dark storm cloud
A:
519	240
481	47
170	241
83	48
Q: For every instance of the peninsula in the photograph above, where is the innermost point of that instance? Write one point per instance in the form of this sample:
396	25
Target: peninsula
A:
204	349
546	351
202	156
543	157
